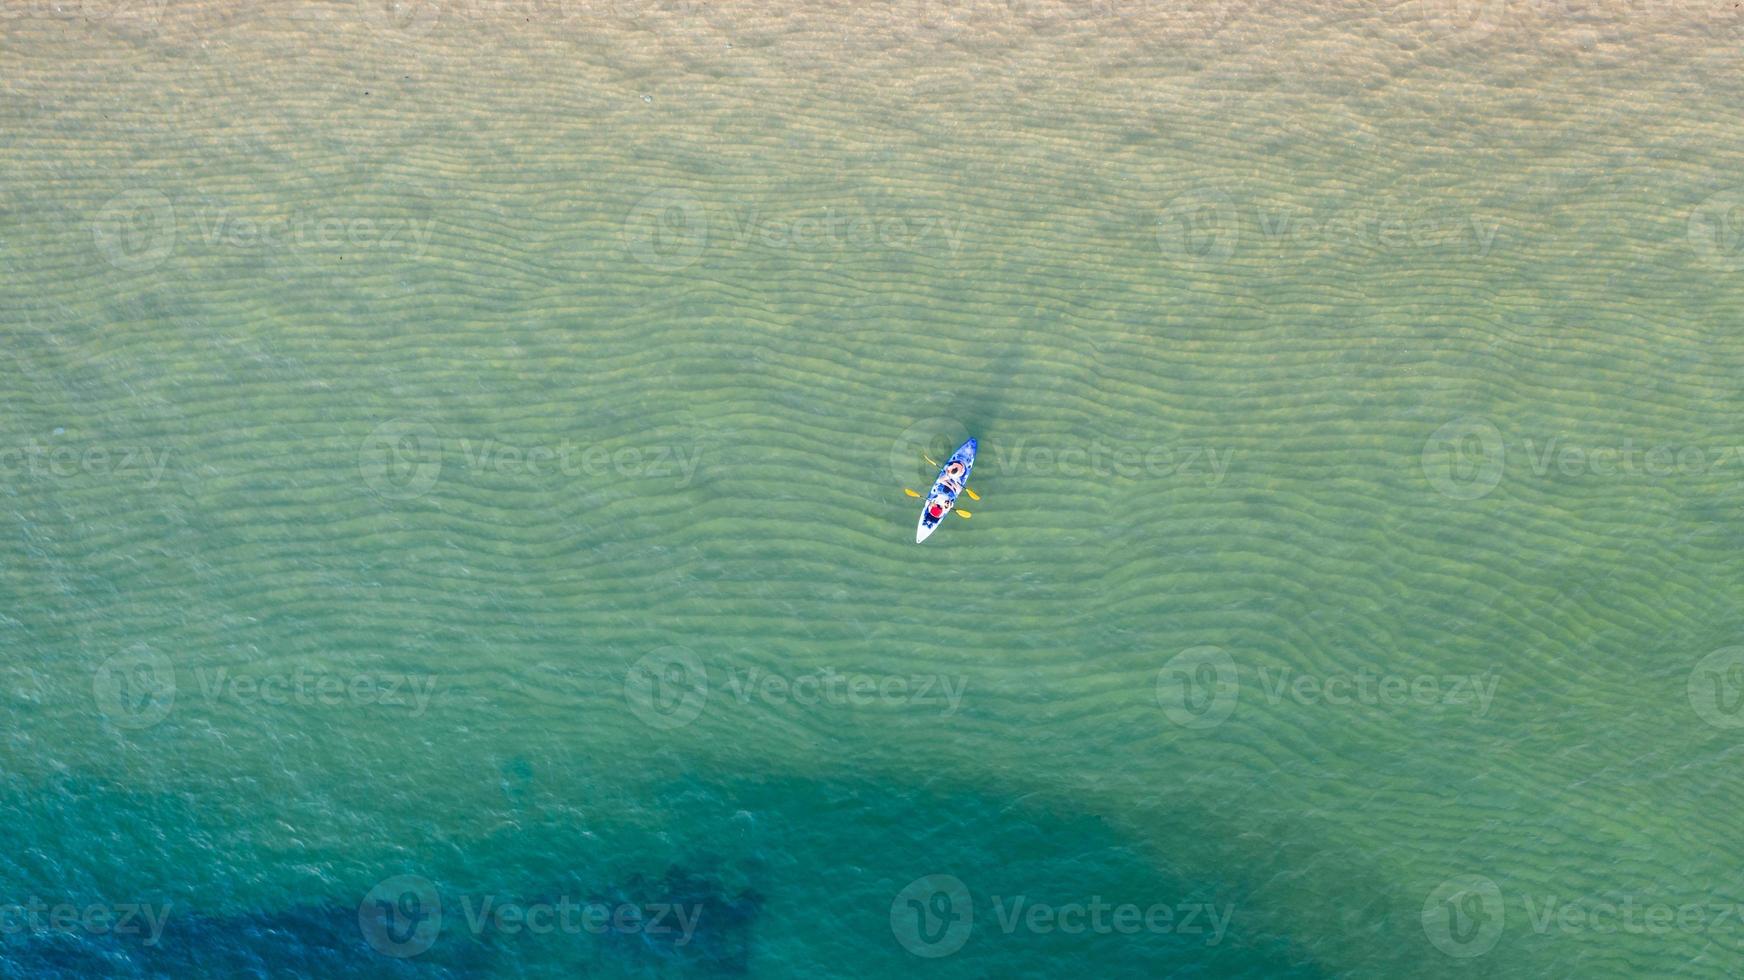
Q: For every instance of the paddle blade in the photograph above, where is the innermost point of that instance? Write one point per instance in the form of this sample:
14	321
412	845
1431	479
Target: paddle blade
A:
929	459
965	515
972	494
911	493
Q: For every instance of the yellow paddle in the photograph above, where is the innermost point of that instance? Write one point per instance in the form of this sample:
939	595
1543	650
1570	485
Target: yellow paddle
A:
911	493
965	515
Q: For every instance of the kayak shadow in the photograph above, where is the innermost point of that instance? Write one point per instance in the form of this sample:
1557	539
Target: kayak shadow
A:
984	412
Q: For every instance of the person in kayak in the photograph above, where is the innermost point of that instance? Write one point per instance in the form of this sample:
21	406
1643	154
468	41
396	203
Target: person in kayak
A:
935	510
952	479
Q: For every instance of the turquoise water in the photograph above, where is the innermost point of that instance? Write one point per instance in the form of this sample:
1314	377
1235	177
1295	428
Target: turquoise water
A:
452	479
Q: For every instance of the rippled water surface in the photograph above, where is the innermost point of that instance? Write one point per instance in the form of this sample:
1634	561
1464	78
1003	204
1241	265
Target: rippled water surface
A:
452	463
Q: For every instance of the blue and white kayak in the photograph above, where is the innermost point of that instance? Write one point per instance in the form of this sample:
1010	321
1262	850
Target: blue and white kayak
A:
953	476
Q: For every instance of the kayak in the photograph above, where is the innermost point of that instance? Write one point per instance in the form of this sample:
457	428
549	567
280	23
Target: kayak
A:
943	496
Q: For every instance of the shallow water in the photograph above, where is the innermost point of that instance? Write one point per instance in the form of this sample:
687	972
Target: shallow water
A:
454	455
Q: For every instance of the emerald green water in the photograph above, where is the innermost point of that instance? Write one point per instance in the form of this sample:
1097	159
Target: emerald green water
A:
458	455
